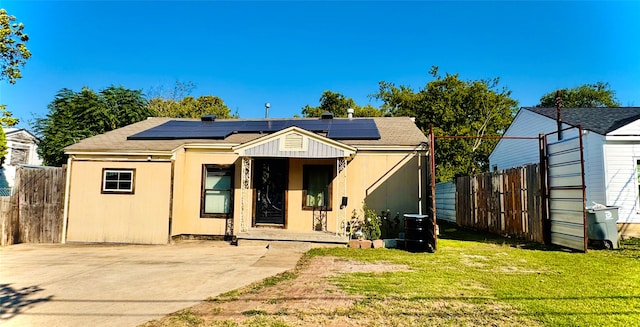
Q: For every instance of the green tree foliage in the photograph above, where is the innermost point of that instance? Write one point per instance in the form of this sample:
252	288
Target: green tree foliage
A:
6	120
13	55
189	107
74	116
455	107
13	49
3	146
598	95
337	104
178	103
6	117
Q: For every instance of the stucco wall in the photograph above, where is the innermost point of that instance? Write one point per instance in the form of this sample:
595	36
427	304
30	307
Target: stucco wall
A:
142	217
382	180
379	181
372	177
188	190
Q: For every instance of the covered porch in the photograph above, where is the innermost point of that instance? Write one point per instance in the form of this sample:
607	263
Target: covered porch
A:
292	186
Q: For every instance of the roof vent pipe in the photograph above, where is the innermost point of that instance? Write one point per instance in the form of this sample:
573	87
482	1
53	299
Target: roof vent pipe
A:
209	117
326	115
266	109
350	113
558	113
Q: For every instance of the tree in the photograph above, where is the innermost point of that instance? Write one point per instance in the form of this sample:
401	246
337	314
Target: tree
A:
474	108
597	95
178	103
337	104
6	120
189	107
74	116
13	55
13	50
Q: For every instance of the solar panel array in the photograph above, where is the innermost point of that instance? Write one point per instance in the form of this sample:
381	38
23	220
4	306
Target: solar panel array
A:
337	129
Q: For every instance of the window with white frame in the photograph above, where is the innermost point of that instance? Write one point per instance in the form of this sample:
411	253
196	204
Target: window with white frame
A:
217	192
119	181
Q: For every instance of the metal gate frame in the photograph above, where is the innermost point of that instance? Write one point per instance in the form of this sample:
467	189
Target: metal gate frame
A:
563	163
432	167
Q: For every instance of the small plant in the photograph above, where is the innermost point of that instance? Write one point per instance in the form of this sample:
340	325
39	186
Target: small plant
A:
354	227
254	312
371	224
367	227
187	316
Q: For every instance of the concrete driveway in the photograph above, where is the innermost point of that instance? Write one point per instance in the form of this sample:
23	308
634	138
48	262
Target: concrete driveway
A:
124	285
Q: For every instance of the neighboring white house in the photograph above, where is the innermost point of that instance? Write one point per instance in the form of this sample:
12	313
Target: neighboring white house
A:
611	142
22	150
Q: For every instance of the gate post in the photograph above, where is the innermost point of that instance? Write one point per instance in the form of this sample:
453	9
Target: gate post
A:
544	189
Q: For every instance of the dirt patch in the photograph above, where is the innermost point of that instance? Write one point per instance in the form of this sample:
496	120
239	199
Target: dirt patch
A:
308	299
311	299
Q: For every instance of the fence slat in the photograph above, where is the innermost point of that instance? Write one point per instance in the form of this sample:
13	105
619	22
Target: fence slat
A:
33	214
507	202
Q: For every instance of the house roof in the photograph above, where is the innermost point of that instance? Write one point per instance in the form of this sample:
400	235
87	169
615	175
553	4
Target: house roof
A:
598	120
12	133
394	131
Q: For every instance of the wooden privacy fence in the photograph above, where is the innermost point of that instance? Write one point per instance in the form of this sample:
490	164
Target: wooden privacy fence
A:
34	213
507	202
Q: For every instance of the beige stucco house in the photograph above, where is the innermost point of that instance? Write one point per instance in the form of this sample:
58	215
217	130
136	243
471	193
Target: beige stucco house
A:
290	179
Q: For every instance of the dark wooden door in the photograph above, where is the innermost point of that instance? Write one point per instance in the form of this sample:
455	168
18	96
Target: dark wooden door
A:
270	181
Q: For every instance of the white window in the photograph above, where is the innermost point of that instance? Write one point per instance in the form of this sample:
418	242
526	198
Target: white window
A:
118	180
217	192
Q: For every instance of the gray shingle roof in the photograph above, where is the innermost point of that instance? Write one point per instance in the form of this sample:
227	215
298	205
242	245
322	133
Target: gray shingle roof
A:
598	120
393	131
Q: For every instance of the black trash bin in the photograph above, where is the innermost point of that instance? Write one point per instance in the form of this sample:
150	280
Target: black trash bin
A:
418	233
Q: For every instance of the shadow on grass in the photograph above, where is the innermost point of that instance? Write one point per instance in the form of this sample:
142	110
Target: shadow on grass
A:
451	231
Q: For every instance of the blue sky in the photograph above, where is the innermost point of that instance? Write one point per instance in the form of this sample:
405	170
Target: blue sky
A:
288	53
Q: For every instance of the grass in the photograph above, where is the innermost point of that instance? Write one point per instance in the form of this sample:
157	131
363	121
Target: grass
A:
473	279
495	279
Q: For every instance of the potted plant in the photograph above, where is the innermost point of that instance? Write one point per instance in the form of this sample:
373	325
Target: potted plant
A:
366	230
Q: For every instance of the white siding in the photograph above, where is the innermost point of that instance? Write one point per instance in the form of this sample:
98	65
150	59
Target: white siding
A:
594	168
315	149
629	129
514	153
621	179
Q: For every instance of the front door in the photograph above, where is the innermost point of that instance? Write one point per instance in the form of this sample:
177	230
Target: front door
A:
270	182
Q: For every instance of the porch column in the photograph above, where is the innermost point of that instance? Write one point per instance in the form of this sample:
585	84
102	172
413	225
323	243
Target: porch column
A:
341	179
245	200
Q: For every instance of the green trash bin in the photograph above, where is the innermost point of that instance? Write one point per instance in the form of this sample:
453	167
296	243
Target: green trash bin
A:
602	229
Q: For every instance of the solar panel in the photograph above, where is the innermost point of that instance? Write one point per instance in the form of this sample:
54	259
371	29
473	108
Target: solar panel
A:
354	129
175	129
339	129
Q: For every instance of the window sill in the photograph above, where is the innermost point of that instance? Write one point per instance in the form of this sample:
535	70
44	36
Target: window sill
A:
316	209
216	216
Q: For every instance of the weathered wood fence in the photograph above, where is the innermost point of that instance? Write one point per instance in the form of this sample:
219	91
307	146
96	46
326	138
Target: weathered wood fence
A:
507	202
34	213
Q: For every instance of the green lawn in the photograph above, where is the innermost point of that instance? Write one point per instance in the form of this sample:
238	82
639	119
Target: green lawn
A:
473	280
